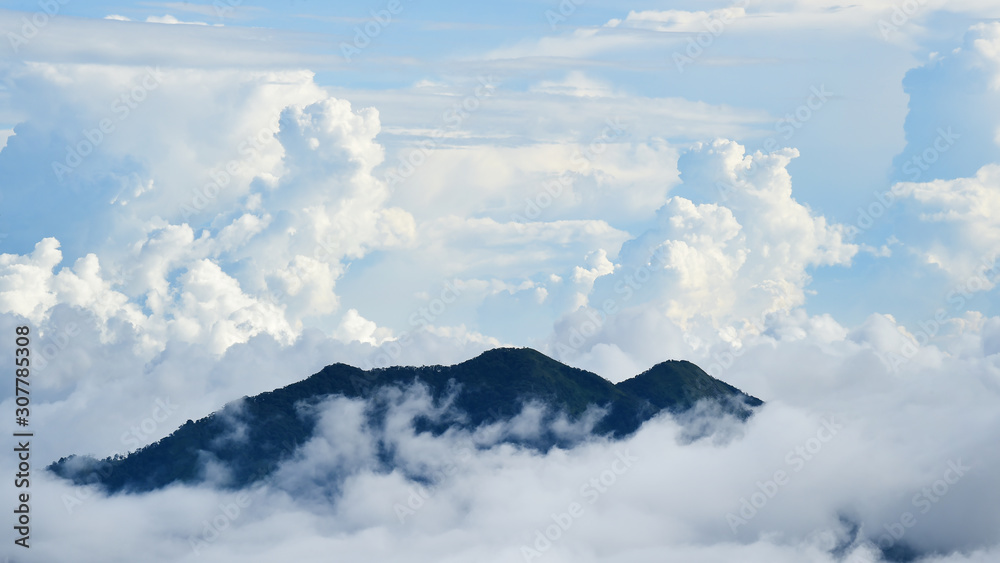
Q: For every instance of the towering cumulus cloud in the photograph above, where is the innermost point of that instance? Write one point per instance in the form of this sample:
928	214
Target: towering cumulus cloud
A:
243	231
191	215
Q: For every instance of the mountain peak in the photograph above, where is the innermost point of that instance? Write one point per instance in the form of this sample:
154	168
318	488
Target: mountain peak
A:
492	387
679	384
524	358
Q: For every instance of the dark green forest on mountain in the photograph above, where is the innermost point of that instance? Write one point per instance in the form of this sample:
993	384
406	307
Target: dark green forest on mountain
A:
251	436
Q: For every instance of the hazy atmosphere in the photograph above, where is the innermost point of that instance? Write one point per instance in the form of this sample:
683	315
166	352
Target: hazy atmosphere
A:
205	201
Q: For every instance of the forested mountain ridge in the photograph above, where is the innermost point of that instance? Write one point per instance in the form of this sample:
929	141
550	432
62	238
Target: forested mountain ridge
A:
495	386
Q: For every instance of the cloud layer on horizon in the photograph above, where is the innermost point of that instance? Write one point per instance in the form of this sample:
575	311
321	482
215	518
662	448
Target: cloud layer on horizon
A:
233	228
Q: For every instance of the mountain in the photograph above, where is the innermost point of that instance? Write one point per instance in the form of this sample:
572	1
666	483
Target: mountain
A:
677	385
251	436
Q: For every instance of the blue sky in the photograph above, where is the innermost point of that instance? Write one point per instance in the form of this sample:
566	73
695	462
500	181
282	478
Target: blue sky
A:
800	196
558	74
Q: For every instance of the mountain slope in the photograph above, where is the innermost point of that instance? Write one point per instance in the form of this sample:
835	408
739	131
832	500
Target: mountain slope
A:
250	437
678	385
